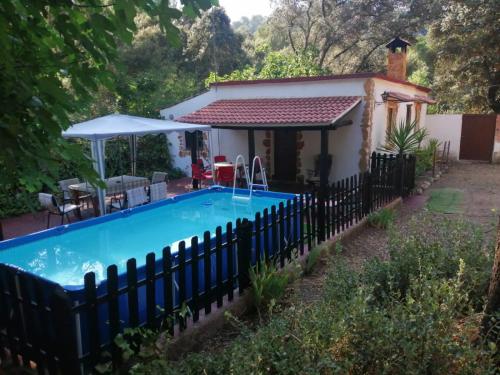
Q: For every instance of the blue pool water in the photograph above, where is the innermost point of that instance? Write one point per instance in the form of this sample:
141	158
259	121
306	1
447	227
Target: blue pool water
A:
65	254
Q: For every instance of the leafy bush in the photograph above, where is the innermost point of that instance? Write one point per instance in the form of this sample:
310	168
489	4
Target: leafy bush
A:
382	219
267	286
317	254
434	248
425	156
15	202
408	315
152	155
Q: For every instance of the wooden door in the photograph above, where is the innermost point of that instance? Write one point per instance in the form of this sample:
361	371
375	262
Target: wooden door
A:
285	155
478	136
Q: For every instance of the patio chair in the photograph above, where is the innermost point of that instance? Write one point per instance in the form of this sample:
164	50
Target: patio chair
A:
220	158
157	191
49	202
225	175
159	177
199	174
68	197
314	175
136	197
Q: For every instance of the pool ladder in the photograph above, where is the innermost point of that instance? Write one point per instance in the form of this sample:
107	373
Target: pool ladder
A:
250	182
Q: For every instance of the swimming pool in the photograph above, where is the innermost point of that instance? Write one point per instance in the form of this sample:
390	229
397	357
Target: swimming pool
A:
66	253
89	280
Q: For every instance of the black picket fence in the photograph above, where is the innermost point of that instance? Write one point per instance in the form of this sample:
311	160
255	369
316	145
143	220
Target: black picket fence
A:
61	332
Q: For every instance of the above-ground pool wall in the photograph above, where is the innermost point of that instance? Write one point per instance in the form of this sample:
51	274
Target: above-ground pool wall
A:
138	301
446	128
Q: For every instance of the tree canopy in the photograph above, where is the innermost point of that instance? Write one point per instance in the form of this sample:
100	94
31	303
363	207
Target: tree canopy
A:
68	61
55	57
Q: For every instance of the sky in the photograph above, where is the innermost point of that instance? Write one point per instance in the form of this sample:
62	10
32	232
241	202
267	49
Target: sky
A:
236	9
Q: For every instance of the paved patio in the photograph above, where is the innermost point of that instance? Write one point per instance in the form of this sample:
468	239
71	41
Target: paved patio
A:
37	221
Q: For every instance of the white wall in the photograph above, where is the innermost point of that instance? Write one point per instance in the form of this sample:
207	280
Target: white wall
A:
496	146
344	143
380	110
446	128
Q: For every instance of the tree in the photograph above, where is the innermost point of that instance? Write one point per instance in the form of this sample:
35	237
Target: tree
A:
275	65
248	25
55	57
212	45
350	35
467	45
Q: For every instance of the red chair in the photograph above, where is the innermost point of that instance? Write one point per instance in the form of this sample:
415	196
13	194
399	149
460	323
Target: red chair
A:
225	174
220	158
199	174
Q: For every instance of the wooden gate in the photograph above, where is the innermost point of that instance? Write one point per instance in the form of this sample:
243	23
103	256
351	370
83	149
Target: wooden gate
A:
478	136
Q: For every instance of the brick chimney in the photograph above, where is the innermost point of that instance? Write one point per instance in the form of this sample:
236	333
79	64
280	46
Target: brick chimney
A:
396	58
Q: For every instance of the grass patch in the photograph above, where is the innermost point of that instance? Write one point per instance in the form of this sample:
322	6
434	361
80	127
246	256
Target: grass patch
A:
445	201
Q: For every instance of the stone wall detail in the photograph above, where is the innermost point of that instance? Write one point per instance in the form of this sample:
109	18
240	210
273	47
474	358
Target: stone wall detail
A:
300	145
366	125
267	143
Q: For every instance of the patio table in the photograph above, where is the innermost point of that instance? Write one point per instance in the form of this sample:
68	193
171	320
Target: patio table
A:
114	185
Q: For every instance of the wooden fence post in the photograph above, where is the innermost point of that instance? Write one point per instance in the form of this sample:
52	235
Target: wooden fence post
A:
434	163
368	196
65	331
244	241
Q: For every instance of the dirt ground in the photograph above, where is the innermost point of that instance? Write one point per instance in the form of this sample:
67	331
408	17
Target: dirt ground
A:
480	185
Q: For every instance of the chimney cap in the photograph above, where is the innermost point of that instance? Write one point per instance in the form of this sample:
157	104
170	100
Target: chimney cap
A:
398	42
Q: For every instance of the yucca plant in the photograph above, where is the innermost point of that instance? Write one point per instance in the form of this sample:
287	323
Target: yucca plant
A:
433	144
404	138
422	135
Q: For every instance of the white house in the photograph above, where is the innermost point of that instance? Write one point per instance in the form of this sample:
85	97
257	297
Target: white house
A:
284	120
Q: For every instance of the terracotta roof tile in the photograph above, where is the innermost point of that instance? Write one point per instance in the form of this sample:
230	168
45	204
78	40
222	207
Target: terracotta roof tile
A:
292	111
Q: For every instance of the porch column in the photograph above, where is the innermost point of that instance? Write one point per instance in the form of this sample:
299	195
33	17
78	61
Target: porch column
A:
97	149
323	183
194	153
133	154
251	150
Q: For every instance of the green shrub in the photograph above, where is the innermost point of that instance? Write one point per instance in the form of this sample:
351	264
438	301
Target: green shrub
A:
382	219
433	247
409	315
316	255
14	202
267	286
152	155
425	157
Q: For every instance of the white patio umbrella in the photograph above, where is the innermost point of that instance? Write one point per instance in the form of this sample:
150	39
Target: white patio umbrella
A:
116	125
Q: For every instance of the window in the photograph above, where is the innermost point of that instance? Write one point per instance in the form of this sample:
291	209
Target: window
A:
392	111
194	139
408	113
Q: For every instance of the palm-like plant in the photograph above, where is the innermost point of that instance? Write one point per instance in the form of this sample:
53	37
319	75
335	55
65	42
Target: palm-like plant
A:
404	138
